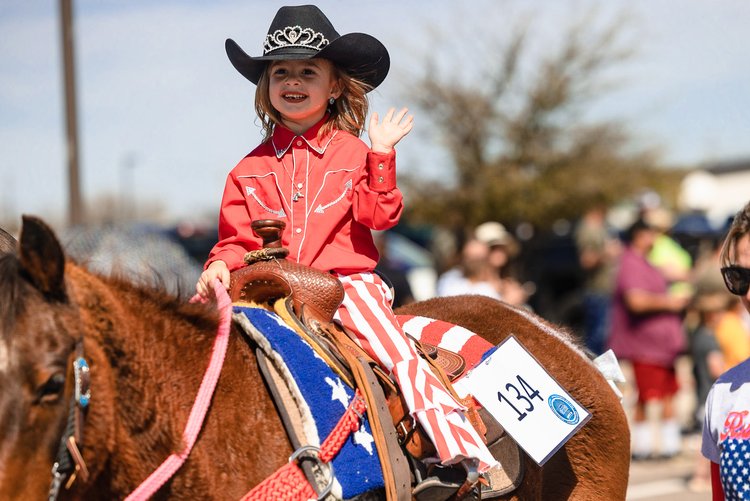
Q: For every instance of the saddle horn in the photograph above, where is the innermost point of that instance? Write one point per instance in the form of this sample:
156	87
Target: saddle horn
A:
270	230
269	276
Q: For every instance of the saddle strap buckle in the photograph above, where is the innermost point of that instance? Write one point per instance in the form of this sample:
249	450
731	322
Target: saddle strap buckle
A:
404	434
312	452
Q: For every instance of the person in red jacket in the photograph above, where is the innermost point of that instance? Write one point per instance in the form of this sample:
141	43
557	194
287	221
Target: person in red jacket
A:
313	172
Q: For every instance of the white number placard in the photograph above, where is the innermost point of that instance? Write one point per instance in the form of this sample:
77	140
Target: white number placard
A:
525	399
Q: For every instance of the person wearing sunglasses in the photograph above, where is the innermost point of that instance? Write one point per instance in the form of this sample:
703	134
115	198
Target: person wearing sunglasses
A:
726	430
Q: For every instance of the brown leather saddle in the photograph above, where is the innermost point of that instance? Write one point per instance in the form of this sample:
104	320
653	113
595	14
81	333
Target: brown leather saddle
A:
308	299
315	295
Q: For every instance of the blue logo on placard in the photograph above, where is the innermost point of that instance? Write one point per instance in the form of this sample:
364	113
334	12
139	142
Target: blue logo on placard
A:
563	409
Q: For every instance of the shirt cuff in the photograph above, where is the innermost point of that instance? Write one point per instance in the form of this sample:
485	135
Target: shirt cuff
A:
382	171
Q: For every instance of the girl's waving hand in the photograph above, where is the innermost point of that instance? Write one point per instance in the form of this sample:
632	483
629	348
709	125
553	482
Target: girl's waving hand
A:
384	135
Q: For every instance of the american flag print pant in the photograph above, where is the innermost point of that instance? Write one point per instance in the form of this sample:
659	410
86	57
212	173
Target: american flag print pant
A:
366	313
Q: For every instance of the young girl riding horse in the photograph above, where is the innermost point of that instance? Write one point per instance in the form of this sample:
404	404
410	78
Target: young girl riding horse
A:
314	172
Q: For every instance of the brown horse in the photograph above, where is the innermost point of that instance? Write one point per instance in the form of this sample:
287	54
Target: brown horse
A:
147	351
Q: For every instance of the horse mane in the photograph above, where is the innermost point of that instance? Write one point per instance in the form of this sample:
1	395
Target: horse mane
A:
10	292
153	290
146	275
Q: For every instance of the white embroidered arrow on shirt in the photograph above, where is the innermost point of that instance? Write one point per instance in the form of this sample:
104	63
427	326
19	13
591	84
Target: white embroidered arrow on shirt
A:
251	193
321	208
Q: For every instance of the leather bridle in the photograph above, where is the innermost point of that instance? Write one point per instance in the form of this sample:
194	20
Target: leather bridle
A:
69	463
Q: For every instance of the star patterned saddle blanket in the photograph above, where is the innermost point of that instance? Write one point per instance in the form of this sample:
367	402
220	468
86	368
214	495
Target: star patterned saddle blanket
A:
321	396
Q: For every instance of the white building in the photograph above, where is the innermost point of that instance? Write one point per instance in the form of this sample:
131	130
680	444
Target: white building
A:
718	189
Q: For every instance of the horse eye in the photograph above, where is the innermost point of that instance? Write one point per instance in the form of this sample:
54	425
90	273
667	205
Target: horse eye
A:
52	389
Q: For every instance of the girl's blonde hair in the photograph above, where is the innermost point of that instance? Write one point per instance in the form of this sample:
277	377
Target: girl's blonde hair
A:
348	112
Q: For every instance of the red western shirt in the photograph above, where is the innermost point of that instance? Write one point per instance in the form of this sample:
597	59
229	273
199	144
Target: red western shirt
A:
330	191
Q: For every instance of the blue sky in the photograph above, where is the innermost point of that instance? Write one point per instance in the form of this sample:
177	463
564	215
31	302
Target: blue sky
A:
164	116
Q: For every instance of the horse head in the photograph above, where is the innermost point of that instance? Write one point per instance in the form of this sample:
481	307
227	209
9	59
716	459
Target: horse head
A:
37	337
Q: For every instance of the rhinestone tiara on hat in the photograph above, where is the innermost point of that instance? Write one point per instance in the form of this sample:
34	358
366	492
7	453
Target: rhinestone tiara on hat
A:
294	36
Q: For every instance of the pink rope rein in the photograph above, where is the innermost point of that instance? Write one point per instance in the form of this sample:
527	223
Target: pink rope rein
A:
198	413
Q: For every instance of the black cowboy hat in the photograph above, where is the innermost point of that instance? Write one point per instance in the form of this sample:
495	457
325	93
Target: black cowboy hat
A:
304	32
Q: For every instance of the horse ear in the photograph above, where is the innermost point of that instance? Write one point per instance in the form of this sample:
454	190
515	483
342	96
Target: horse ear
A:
7	242
42	258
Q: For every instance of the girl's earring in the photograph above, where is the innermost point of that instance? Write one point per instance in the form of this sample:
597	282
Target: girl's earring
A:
331	100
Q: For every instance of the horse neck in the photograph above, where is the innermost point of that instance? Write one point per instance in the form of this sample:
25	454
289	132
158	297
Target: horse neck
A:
145	331
145	352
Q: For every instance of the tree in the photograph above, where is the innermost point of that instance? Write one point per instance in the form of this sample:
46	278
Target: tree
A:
517	135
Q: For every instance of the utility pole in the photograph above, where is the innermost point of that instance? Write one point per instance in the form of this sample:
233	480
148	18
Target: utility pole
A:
75	204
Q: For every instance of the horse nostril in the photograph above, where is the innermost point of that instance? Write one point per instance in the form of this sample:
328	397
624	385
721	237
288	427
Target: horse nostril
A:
51	390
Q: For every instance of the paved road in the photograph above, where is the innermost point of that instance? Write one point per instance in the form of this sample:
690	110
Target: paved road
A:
667	480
